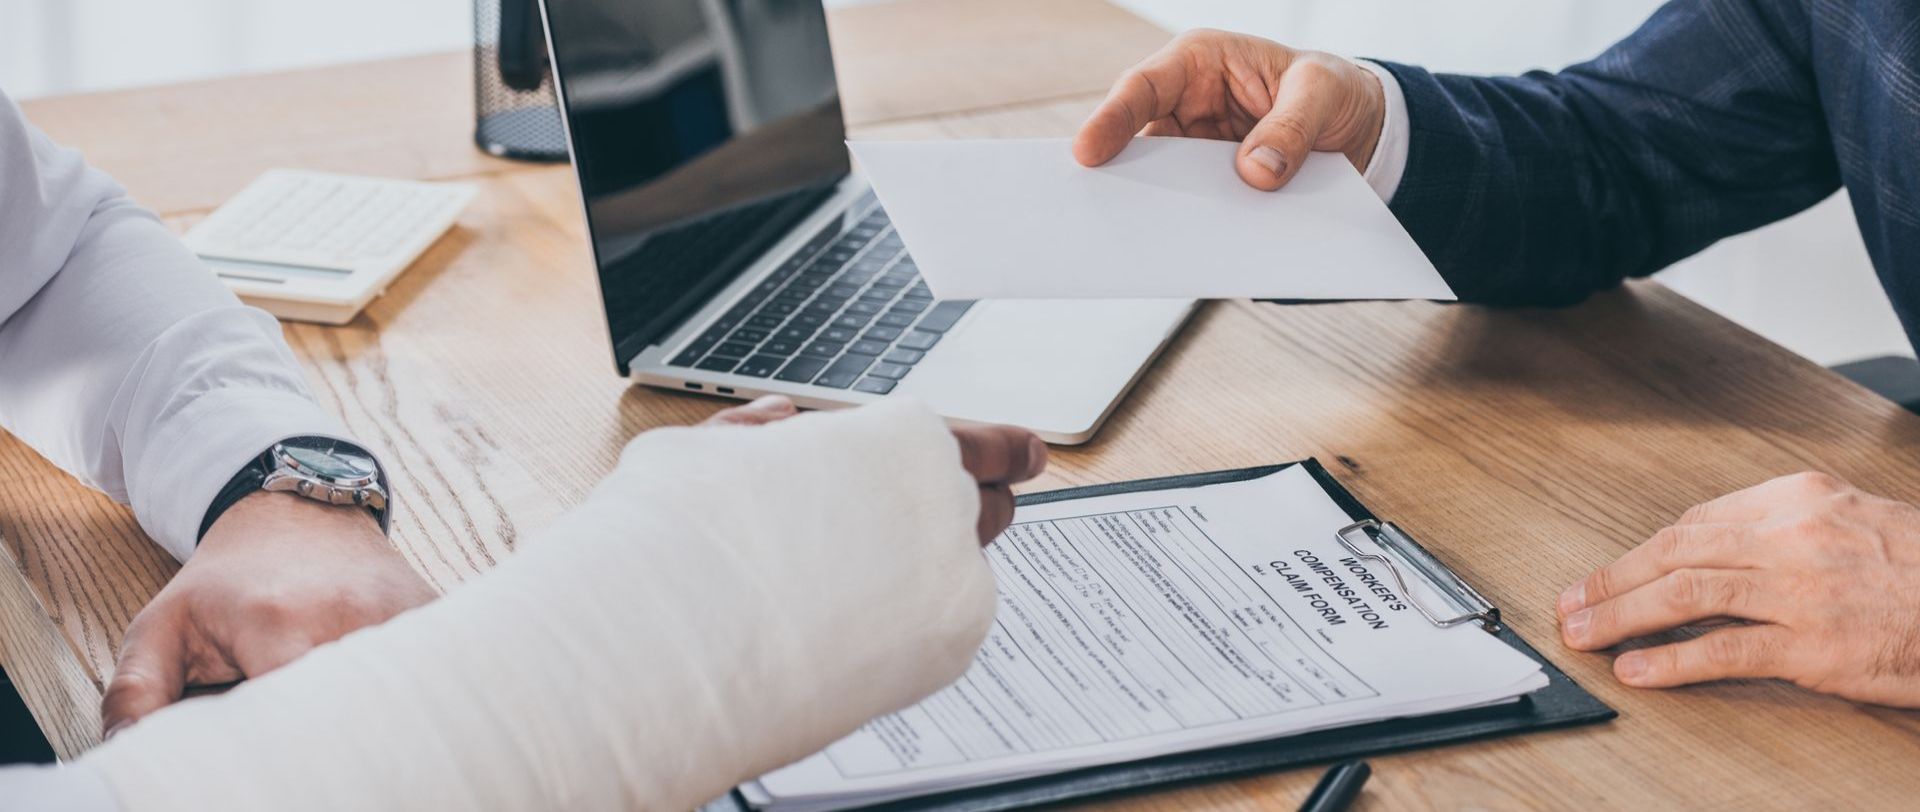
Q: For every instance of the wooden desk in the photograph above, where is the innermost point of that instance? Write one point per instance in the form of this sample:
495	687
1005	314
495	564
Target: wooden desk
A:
1527	446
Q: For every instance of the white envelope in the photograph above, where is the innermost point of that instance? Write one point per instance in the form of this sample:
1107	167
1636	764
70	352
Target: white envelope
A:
1167	219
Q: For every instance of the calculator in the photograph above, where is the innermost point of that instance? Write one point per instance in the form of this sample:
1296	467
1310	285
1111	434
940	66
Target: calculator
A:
313	246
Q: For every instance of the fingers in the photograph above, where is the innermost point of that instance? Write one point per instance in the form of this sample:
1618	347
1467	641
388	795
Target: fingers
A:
769	409
1725	533
1678	598
1000	455
996	511
1731	653
1309	96
151	673
1722	546
1141	96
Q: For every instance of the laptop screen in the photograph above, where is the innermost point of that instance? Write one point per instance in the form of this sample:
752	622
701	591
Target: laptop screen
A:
702	131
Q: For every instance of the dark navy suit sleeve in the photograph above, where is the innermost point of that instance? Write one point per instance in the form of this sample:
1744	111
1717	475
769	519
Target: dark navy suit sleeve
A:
1543	188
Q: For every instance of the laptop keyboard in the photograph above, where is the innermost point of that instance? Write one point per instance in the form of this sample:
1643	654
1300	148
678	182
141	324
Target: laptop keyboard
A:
852	315
674	259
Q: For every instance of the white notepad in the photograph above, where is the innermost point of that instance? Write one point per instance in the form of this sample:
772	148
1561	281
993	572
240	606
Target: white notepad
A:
1142	624
313	246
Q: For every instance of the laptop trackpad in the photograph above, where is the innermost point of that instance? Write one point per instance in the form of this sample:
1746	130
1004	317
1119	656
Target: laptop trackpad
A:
1052	366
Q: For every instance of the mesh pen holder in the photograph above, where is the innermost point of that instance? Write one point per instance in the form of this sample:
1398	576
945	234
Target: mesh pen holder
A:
515	112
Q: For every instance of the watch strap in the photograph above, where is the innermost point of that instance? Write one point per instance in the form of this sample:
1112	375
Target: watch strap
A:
248	480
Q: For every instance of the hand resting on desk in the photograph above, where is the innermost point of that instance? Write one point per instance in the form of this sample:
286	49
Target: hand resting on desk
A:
1825	576
276	576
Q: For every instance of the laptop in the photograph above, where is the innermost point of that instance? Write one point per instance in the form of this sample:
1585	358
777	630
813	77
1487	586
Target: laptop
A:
740	254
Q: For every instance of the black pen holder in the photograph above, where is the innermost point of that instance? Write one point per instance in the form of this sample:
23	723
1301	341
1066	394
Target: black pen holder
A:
516	114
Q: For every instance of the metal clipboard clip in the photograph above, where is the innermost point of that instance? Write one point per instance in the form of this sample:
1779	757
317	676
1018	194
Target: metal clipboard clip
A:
1463	603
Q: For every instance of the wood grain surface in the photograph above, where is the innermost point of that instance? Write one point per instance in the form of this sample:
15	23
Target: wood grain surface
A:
1525	446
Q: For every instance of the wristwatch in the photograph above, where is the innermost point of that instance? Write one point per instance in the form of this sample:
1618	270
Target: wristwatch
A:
319	468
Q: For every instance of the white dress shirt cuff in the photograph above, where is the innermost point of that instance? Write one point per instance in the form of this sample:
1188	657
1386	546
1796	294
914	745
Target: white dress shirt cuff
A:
194	454
1389	161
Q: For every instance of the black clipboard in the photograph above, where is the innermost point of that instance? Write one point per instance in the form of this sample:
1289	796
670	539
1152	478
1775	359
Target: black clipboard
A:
1563	703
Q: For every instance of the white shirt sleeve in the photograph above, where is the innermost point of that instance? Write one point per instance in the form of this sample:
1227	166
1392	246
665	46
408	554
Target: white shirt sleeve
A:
1389	162
122	360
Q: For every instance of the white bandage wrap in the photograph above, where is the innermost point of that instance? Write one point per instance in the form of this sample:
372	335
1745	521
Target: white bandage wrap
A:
727	601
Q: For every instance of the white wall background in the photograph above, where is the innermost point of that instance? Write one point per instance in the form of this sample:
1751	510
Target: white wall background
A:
1805	282
64	46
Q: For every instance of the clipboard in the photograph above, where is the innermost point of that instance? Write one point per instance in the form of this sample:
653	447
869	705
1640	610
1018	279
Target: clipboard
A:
1563	703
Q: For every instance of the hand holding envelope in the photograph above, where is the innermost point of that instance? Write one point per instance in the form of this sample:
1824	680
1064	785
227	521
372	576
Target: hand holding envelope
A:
1166	219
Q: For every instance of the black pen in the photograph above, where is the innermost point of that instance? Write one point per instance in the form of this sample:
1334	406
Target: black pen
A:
1338	787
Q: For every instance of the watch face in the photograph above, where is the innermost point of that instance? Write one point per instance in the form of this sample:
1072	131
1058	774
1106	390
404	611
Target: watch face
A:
328	460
